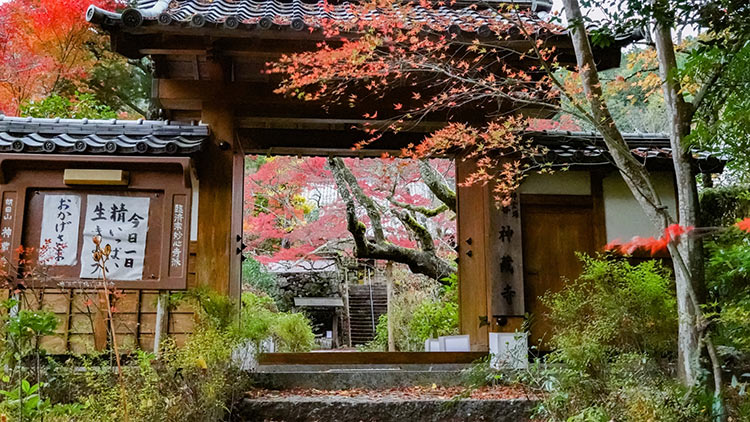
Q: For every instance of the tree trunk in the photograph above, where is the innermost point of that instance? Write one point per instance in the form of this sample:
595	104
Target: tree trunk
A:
691	248
420	261
687	256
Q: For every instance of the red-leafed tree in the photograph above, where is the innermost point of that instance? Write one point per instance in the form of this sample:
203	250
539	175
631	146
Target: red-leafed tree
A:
299	209
48	48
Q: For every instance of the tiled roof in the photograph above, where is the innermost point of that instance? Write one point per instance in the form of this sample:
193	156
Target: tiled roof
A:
589	148
299	15
74	136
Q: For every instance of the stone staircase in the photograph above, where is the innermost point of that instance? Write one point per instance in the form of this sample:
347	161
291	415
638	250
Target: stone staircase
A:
367	302
375	392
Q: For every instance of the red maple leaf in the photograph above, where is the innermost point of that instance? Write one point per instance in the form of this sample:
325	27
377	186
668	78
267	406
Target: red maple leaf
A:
744	225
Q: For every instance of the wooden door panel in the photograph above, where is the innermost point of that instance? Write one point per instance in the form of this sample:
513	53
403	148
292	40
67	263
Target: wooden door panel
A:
552	234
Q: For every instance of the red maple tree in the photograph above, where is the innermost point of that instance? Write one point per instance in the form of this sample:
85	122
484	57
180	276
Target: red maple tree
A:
44	48
294	210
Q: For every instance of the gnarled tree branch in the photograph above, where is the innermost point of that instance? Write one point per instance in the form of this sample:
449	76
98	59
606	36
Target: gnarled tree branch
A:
422	261
436	183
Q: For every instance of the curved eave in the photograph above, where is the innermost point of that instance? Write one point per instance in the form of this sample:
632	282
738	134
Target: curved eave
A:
100	137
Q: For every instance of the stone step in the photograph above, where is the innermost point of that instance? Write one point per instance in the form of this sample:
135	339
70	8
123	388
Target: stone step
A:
396	408
341	377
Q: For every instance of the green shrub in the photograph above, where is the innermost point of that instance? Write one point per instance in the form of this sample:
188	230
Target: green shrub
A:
728	281
722	206
258	278
419	315
613	307
614	342
293	333
195	381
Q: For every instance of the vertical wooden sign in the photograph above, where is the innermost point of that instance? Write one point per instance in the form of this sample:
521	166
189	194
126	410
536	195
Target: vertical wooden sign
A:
7	224
505	260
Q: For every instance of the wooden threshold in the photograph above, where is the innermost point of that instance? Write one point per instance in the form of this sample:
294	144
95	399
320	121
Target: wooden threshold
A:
372	358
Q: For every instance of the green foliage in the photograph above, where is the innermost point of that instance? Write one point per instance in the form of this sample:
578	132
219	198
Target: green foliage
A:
481	374
723	206
28	325
81	106
260	320
419	315
121	85
439	317
722	124
195	381
21	331
293	332
25	401
728	282
614	340
613	307
254	274
256	320
198	380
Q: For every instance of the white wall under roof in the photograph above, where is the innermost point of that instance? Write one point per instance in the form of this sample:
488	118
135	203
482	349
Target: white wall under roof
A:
559	183
624	216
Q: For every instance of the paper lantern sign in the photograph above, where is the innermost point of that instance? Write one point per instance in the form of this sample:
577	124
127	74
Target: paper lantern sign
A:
122	223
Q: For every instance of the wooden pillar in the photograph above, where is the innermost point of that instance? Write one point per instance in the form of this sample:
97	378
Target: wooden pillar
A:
490	262
219	208
472	202
220	173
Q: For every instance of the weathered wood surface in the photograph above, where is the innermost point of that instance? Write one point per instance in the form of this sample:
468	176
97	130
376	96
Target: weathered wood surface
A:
472	258
82	327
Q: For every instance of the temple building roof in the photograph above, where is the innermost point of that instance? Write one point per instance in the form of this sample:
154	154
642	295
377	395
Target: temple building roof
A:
579	147
111	137
306	15
157	137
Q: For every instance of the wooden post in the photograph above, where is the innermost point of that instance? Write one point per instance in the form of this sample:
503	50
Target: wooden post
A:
389	299
162	314
472	222
238	184
220	171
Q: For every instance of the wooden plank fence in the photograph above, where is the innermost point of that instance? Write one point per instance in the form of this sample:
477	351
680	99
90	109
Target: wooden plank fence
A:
82	316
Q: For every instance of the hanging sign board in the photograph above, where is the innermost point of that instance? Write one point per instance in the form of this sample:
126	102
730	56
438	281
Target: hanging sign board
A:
122	223
53	218
58	243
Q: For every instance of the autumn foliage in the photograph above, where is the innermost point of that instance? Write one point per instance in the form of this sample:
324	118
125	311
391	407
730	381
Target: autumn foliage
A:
428	71
44	48
294	212
655	245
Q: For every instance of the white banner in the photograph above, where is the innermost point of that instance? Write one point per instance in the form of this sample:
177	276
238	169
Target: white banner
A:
122	222
58	243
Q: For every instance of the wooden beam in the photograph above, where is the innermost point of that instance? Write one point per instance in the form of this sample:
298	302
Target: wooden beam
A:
325	152
329	124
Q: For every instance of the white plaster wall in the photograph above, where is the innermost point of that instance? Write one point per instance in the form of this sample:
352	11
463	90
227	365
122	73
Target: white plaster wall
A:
624	216
559	183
